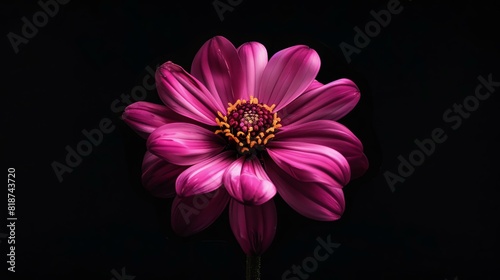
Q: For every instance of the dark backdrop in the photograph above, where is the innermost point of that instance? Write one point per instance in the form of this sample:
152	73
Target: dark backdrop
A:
99	223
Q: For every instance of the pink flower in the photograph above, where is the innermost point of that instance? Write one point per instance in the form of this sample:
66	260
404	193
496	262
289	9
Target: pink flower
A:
240	128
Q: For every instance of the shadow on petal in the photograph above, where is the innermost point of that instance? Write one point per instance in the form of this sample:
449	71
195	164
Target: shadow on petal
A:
195	213
253	226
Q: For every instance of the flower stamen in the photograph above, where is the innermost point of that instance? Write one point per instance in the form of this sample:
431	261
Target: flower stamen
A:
250	124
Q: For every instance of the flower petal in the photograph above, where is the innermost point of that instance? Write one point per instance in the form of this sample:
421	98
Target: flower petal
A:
247	182
314	85
193	214
184	143
310	162
185	95
158	176
205	176
314	200
218	67
330	134
144	117
331	101
253	226
253	57
287	75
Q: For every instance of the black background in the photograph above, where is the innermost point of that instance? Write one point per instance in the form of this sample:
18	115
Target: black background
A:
440	223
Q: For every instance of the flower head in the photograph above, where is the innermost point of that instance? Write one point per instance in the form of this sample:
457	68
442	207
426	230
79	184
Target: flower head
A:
245	127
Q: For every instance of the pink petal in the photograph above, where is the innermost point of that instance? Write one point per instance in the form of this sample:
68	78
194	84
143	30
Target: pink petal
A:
204	176
185	95
359	165
314	85
184	143
193	214
144	117
247	182
218	67
253	57
158	176
331	101
310	162
314	200
253	226
330	134
287	75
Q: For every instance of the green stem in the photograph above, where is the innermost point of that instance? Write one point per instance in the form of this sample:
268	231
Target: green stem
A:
253	267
